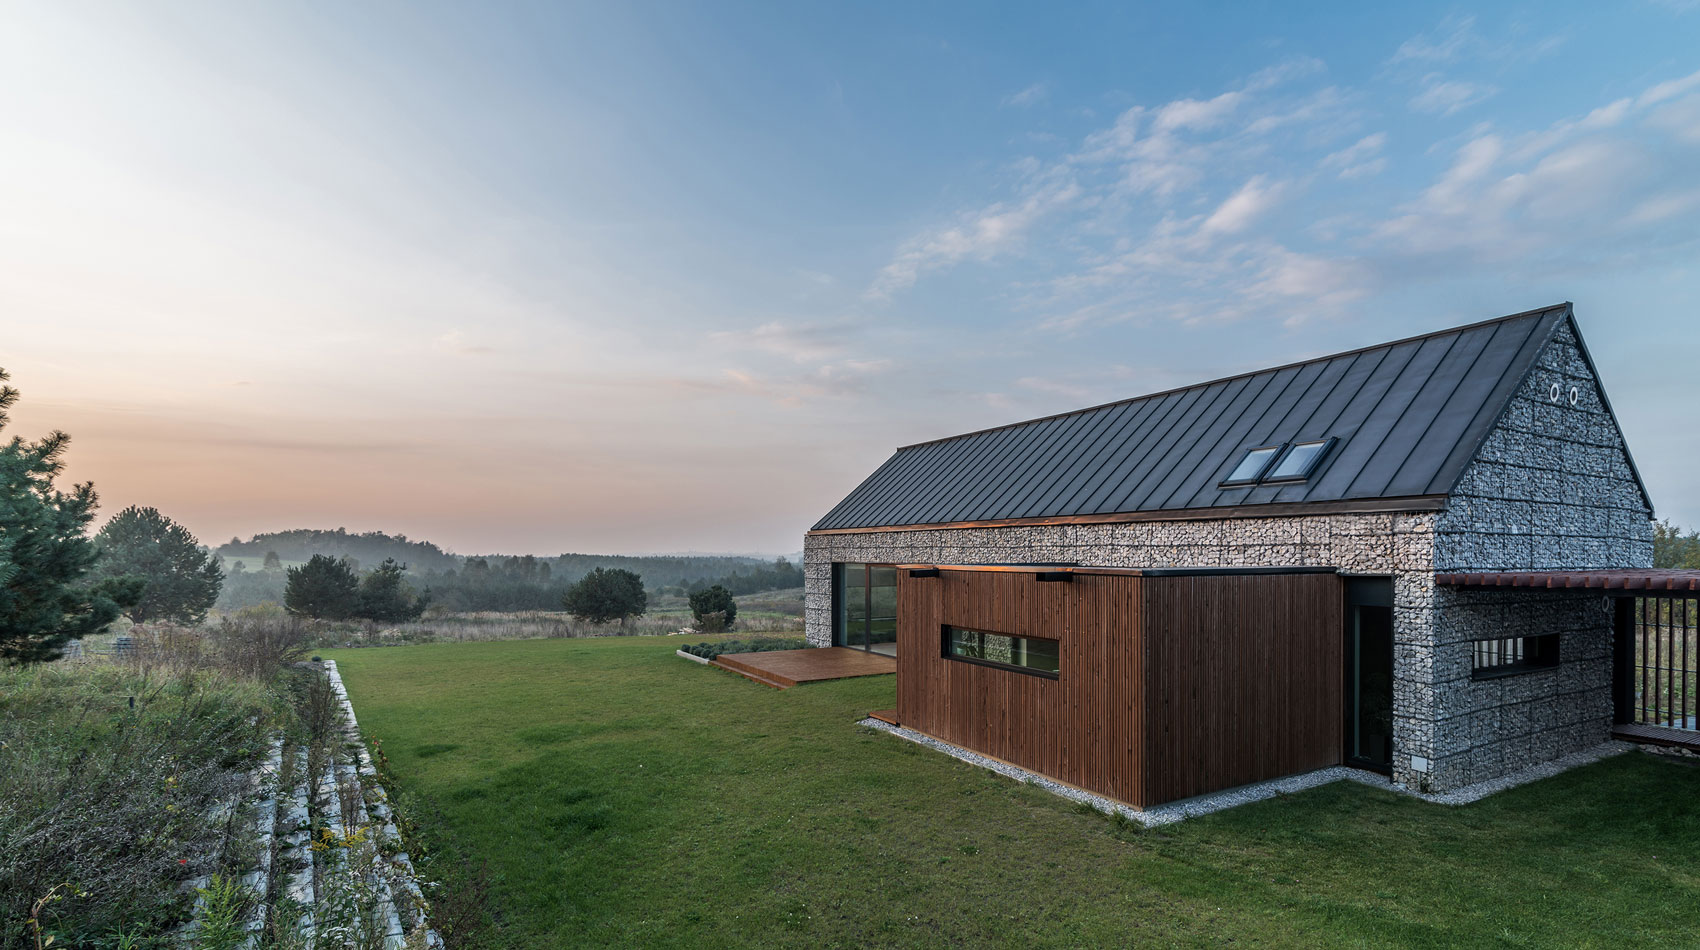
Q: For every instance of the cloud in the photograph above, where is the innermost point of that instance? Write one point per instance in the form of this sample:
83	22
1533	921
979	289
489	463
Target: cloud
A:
1446	96
1361	159
798	342
1440	45
1243	207
1032	95
1578	193
979	236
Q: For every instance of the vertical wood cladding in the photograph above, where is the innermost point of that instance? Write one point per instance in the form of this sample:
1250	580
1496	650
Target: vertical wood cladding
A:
1169	687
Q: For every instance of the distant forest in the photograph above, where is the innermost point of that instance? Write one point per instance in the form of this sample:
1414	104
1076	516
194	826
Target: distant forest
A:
481	582
369	548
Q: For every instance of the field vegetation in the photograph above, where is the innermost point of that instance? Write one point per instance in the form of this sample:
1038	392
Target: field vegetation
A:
624	796
767	612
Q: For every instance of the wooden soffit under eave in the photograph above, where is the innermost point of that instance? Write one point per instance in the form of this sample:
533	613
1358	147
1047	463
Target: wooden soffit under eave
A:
1411	505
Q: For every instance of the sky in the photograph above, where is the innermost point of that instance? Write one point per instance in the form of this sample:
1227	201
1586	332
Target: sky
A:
644	277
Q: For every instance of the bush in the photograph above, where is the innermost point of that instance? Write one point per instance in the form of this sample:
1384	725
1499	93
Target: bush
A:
107	776
714	609
709	651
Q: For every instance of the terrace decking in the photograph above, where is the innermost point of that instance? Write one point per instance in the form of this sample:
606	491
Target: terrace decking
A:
1657	735
783	669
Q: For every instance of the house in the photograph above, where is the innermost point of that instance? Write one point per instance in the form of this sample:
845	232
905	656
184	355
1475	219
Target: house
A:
1387	558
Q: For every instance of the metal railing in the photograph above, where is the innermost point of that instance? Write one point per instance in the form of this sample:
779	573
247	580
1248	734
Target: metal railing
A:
1666	671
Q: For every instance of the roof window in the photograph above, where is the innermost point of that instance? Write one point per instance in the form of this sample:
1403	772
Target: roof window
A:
1300	460
1285	462
1251	467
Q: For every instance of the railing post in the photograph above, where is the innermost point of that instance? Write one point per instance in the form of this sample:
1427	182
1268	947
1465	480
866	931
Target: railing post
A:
1623	660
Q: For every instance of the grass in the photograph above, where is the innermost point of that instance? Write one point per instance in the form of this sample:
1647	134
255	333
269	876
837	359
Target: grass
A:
625	796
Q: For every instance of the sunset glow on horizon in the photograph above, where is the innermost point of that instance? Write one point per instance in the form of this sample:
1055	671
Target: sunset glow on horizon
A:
676	277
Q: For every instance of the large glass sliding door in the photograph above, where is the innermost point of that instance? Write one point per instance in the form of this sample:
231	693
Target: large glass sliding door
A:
865	602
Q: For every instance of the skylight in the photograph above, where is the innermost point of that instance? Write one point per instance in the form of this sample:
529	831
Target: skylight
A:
1251	467
1299	461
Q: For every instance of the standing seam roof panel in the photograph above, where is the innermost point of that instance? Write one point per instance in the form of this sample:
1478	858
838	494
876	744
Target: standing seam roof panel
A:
1117	488
1046	496
1173	405
1409	416
1216	454
1339	414
1017	469
1208	490
1164	482
1493	406
1403	448
1050	457
1337	475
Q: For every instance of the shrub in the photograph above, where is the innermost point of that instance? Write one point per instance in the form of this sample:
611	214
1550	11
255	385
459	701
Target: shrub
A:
754	645
705	604
107	776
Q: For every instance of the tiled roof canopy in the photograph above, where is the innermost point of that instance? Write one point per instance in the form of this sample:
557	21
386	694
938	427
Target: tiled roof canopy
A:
1408	416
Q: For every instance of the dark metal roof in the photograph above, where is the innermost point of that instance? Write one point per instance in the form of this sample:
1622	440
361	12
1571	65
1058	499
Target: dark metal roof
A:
1408	416
1645	580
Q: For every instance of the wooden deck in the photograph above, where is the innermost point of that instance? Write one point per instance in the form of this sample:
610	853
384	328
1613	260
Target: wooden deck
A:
1657	735
783	669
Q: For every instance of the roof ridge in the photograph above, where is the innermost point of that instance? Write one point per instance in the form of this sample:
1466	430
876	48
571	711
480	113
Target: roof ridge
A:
1565	306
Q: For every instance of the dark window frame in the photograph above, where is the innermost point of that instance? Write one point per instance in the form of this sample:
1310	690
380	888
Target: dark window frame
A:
1275	451
840	578
1540	652
1269	476
944	651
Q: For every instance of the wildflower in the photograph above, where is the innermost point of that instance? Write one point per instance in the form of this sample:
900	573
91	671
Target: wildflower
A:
182	860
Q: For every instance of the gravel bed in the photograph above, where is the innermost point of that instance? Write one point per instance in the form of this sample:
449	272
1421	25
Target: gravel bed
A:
1171	812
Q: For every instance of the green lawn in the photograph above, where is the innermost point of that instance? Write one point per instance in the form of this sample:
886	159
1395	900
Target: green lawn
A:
623	795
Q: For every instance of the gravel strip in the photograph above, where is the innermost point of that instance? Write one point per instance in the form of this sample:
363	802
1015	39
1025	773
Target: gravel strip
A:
1168	814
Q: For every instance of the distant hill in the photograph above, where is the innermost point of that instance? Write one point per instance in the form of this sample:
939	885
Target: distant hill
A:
369	548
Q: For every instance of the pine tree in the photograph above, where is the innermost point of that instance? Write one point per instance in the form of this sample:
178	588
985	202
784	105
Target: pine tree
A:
324	588
180	579
386	597
714	609
46	594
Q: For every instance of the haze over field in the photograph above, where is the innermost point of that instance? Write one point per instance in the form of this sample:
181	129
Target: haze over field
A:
670	277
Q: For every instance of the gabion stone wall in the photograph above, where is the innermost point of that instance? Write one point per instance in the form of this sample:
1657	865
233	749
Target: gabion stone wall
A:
1551	488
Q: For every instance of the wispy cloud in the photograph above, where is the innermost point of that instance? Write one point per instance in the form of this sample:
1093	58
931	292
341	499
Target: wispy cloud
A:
1173	211
979	235
1031	96
1361	159
1447	96
1444	44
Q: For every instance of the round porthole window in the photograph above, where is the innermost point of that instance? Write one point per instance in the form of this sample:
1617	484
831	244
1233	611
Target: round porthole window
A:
1575	394
1553	395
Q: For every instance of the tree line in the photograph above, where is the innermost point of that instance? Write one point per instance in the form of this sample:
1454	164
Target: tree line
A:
1675	548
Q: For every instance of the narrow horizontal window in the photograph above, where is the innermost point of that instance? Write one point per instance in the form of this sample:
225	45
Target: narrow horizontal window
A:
1510	655
1299	461
1252	466
1036	655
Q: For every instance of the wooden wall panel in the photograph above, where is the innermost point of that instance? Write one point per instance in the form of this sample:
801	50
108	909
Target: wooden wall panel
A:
1079	728
1242	682
1171	686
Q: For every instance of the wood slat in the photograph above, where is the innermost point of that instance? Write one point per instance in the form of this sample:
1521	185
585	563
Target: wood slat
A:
1170	686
